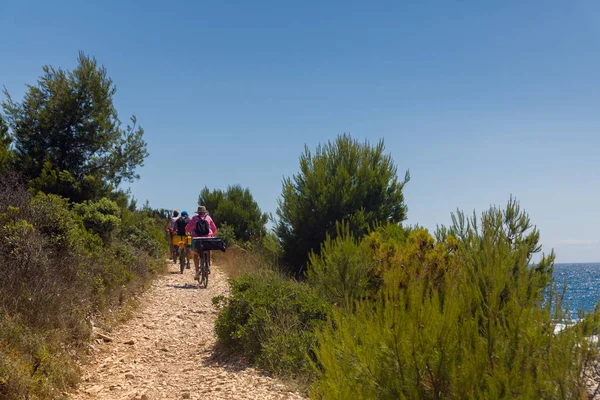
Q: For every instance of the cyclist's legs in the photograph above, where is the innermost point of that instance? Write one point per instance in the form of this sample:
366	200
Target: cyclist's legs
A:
196	256
174	250
187	252
171	247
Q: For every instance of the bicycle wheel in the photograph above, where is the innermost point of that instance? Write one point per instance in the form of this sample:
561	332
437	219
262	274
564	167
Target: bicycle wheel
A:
203	270
204	277
181	260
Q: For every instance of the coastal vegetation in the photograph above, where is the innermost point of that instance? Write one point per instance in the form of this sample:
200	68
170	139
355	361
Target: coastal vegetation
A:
341	295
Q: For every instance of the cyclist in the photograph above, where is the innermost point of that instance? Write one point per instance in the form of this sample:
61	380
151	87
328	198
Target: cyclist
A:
170	227
191	228
181	235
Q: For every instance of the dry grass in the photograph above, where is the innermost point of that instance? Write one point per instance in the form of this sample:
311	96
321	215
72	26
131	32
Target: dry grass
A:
237	261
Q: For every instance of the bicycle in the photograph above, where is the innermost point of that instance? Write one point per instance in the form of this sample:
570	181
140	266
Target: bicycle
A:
203	277
182	253
202	246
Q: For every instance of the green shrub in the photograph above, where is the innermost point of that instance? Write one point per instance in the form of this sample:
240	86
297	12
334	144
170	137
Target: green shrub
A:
102	217
41	243
227	233
142	231
56	222
271	321
340	273
54	274
458	319
406	345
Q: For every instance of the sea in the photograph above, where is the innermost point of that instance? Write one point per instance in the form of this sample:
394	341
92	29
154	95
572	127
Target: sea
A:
583	285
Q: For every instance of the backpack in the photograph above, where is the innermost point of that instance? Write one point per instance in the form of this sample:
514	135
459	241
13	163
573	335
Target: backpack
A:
202	228
180	224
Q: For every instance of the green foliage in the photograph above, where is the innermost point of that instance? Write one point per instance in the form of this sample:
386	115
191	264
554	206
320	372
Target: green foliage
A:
77	245
271	321
102	217
421	258
237	208
55	274
39	245
396	233
341	271
62	229
6	154
343	180
67	134
271	249
143	230
460	318
227	233
348	269
508	228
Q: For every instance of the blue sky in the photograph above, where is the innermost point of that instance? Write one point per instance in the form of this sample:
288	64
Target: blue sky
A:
480	100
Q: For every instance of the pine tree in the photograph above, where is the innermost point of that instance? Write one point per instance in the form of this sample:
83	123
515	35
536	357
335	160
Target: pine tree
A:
343	180
67	135
236	208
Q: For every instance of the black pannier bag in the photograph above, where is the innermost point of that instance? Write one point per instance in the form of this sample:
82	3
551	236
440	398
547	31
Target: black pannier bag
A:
206	244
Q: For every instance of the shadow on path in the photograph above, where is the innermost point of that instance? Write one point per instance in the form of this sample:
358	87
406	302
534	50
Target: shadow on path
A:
219	356
184	286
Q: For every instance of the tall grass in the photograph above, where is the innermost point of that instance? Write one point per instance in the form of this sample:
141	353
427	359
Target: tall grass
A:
237	261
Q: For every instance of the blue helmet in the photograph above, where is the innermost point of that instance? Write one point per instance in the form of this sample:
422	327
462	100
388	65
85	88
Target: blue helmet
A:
184	213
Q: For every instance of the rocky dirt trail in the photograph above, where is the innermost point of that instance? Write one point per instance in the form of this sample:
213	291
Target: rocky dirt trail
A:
167	350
